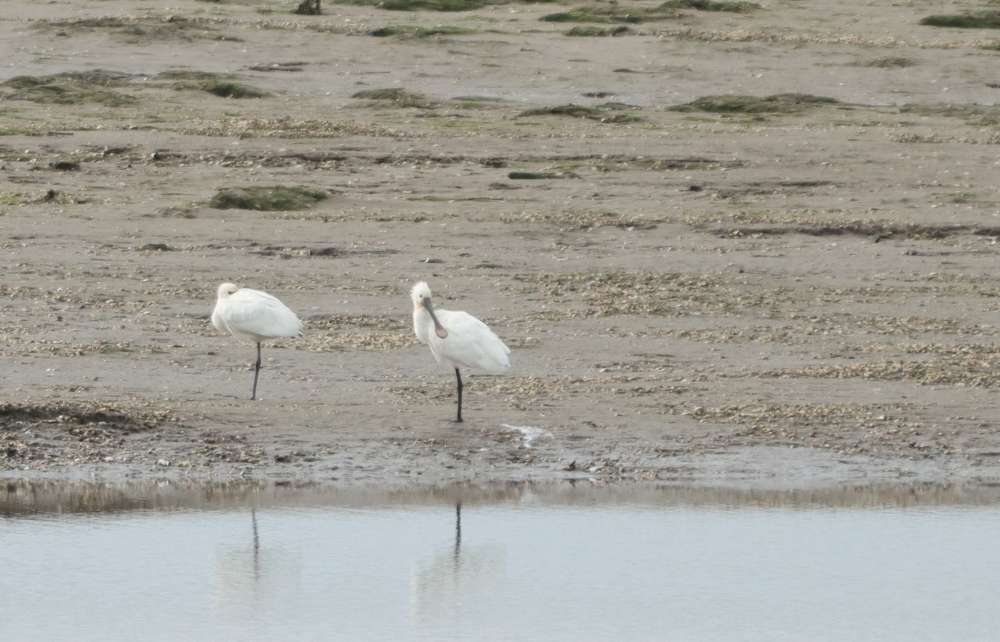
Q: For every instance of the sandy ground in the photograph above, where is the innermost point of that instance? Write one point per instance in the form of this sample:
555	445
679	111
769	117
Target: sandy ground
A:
779	298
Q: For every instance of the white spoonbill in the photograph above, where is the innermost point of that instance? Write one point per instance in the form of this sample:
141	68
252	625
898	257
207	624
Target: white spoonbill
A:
457	339
253	315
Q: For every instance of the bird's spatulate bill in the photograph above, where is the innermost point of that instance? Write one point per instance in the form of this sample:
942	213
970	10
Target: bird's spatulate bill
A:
438	328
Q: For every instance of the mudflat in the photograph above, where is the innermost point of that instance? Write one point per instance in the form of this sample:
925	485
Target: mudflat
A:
749	245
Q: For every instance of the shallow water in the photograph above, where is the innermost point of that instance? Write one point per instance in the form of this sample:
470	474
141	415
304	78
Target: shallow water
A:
90	563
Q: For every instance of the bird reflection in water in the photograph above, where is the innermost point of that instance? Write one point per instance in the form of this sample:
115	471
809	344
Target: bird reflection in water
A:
256	544
450	581
258	574
458	533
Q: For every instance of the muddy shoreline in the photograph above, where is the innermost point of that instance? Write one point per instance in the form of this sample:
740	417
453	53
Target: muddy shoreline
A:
796	287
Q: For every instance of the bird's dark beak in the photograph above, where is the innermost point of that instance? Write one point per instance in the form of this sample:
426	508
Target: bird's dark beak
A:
438	328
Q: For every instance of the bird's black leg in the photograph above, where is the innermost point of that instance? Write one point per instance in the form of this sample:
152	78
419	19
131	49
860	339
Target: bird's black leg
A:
458	376
256	373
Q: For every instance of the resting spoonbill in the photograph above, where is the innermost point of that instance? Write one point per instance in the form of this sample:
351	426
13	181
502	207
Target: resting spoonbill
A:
457	339
254	315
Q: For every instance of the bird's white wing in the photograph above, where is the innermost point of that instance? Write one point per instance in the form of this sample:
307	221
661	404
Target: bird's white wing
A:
258	313
470	343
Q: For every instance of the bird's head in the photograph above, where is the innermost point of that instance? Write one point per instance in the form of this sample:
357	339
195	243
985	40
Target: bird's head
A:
227	289
421	296
420	293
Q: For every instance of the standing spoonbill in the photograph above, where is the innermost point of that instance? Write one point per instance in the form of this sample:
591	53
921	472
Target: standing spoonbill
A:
457	339
254	315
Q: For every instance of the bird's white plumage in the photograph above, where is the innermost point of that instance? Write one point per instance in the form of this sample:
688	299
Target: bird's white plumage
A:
253	314
469	342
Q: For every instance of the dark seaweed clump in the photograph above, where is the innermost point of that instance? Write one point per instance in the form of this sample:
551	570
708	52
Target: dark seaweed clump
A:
741	104
267	198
